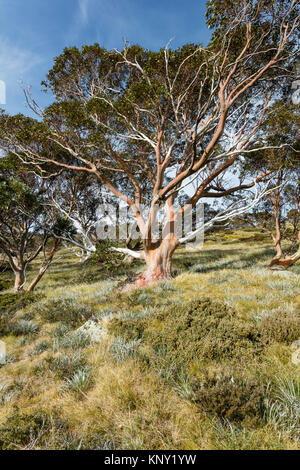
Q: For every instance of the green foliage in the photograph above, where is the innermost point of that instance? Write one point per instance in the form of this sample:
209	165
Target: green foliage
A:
128	328
68	311
199	329
281	326
109	260
4	284
64	366
9	305
32	430
231	397
63	227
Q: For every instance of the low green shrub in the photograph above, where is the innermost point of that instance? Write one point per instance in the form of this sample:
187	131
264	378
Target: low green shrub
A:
11	303
65	310
281	326
110	262
229	397
5	284
204	328
128	328
36	430
198	329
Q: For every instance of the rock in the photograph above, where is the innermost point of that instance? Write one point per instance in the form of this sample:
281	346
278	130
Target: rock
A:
93	330
296	344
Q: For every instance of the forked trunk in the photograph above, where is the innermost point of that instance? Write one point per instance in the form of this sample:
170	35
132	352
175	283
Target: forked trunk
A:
158	257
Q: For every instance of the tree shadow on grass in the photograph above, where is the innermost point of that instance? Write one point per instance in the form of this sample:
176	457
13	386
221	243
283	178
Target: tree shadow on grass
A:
197	262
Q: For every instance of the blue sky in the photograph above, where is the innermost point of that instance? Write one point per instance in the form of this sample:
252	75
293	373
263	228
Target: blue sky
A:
33	32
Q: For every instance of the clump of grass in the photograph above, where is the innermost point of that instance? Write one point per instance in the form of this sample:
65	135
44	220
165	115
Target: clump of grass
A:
64	365
282	406
282	326
121	350
198	268
41	346
80	381
60	331
229	436
184	386
75	340
24	327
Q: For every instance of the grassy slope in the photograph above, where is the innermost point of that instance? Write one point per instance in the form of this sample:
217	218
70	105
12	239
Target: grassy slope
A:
118	403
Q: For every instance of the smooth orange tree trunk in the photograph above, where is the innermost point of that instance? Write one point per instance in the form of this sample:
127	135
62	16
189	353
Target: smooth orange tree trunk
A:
19	267
158	257
278	263
44	267
19	279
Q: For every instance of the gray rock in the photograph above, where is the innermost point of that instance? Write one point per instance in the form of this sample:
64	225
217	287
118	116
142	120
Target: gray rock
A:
93	330
296	344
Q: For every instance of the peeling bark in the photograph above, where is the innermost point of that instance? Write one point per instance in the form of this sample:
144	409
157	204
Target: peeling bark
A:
158	257
18	267
19	279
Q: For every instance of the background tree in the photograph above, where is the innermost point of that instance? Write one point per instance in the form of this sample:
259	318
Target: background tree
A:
162	117
78	198
27	225
279	213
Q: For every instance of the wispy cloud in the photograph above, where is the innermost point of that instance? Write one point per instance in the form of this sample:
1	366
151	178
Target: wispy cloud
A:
79	21
15	62
83	13
16	65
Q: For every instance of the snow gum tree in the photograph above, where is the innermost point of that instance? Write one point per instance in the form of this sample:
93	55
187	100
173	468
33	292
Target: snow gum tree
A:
170	118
